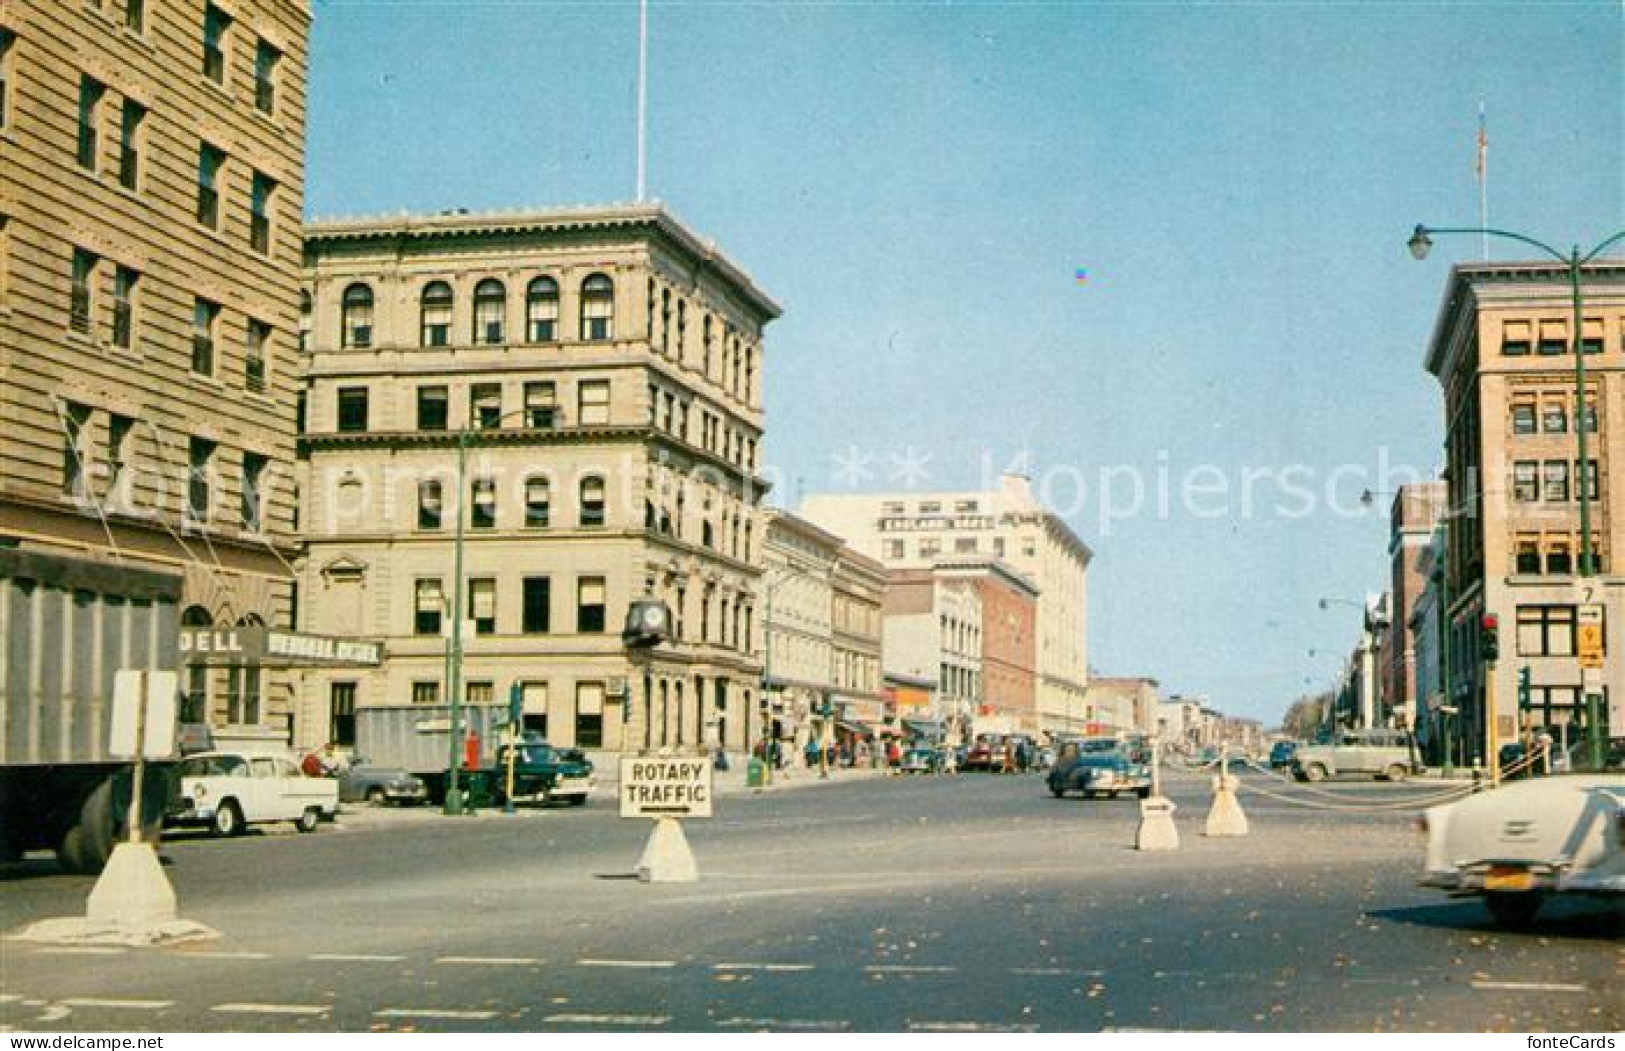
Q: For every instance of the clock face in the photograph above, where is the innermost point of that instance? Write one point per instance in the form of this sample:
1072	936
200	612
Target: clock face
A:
653	617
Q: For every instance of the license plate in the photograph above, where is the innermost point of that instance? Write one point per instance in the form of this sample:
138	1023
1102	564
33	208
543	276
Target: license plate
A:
1509	881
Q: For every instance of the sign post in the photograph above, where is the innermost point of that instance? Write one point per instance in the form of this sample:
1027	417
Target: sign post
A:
666	788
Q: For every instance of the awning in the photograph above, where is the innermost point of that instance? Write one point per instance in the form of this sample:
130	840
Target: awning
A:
924	727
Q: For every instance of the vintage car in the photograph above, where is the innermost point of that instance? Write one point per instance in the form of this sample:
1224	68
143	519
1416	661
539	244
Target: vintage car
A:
1096	771
921	760
378	785
542	772
227	791
1518	844
1361	753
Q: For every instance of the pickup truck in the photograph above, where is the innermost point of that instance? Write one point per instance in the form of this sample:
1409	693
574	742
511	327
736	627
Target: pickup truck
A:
542	772
227	791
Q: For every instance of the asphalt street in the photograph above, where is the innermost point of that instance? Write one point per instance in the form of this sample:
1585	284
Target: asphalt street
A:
974	903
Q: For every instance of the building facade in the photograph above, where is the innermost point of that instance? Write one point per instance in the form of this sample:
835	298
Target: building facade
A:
151	188
859	585
798	627
1502	351
931	652
577	396
1123	705
1009	640
1412	518
917	530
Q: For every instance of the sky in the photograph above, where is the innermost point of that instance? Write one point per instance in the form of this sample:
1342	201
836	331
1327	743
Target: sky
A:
919	185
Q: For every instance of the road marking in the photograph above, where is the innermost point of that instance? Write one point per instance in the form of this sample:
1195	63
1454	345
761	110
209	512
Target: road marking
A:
626	963
357	957
494	961
10	998
209	954
587	1019
1049	972
430	1012
905	968
272	1009
774	967
814	1024
82	950
968	1027
127	1005
1533	987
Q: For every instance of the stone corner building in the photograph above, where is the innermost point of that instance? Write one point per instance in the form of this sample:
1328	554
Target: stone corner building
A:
151	184
603	370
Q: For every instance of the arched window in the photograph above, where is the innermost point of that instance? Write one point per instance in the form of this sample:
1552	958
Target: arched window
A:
597	308
435	314
592	501
355	329
304	319
490	304
542	310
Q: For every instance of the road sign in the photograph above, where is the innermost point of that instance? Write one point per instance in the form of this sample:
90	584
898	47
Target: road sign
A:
1588	641
663	786
158	742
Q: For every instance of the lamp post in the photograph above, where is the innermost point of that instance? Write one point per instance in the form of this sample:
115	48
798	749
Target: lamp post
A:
1574	262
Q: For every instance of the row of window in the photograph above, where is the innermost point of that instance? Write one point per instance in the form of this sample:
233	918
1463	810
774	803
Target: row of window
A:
482	509
1552	555
932	547
731	363
490	316
1548	481
86	284
1550	338
202	479
219	39
1547	631
672	412
485	409
930	507
1548	417
722	621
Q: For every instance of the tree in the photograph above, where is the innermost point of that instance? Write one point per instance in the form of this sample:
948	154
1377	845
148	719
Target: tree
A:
1303	716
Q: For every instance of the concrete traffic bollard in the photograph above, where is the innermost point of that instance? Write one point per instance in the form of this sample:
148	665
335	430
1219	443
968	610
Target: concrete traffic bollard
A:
1157	831
1224	817
667	857
132	889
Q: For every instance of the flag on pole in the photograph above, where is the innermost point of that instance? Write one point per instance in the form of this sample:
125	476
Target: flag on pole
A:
1483	145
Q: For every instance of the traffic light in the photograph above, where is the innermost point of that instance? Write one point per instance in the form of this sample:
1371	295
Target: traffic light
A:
1523	688
1489	642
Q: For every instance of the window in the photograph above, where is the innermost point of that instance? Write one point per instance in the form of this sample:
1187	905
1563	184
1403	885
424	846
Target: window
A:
965	545
590	605
597	308
429	504
593	409
1556	475
533	707
892	507
480	692
352	409
542	310
91	93
1545	631
540	402
432	413
341	725
200	457
119	442
80	295
258	333
592	501
7	39
1523	418
204	316
538	500
1553	338
1554	419
485	405
124	282
930	507
135	15
1591	479
215	24
589	715
1559	559
1590	417
427	607
1528	557
1591	336
1515	338
304	320
434	312
895	549
538	598
355	329
129	144
266	59
243	709
209	163
1526	481
965	507
426	692
259	213
482	605
930	548
490	304
483	513
75	432
253	497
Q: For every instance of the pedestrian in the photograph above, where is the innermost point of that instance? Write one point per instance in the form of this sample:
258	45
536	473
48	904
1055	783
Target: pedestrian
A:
1008	766
810	753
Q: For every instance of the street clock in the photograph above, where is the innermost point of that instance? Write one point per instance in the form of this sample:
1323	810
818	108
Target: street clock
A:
648	623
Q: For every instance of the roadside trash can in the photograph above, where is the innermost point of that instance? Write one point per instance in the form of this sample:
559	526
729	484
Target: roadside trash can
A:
755	774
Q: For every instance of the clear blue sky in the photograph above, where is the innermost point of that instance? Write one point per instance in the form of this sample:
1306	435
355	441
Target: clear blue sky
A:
918	183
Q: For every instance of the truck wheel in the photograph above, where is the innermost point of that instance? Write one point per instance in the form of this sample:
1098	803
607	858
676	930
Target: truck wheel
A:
1395	773
96	826
228	819
70	852
308	821
1314	772
375	796
1513	909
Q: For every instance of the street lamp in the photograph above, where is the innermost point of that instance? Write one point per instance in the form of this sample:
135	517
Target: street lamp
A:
1420	243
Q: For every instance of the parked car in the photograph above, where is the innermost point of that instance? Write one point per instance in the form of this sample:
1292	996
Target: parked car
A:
921	761
380	784
986	753
1281	754
1108	772
1369	753
1525	841
228	791
542	772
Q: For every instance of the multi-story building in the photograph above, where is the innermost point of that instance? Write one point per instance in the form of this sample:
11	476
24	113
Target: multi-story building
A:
859	585
932	648
1122	705
1426	636
917	530
1502	351
572	401
151	185
1412	519
797	632
1008	604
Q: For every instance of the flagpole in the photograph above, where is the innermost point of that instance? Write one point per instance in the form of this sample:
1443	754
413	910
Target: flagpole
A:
1483	180
643	88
